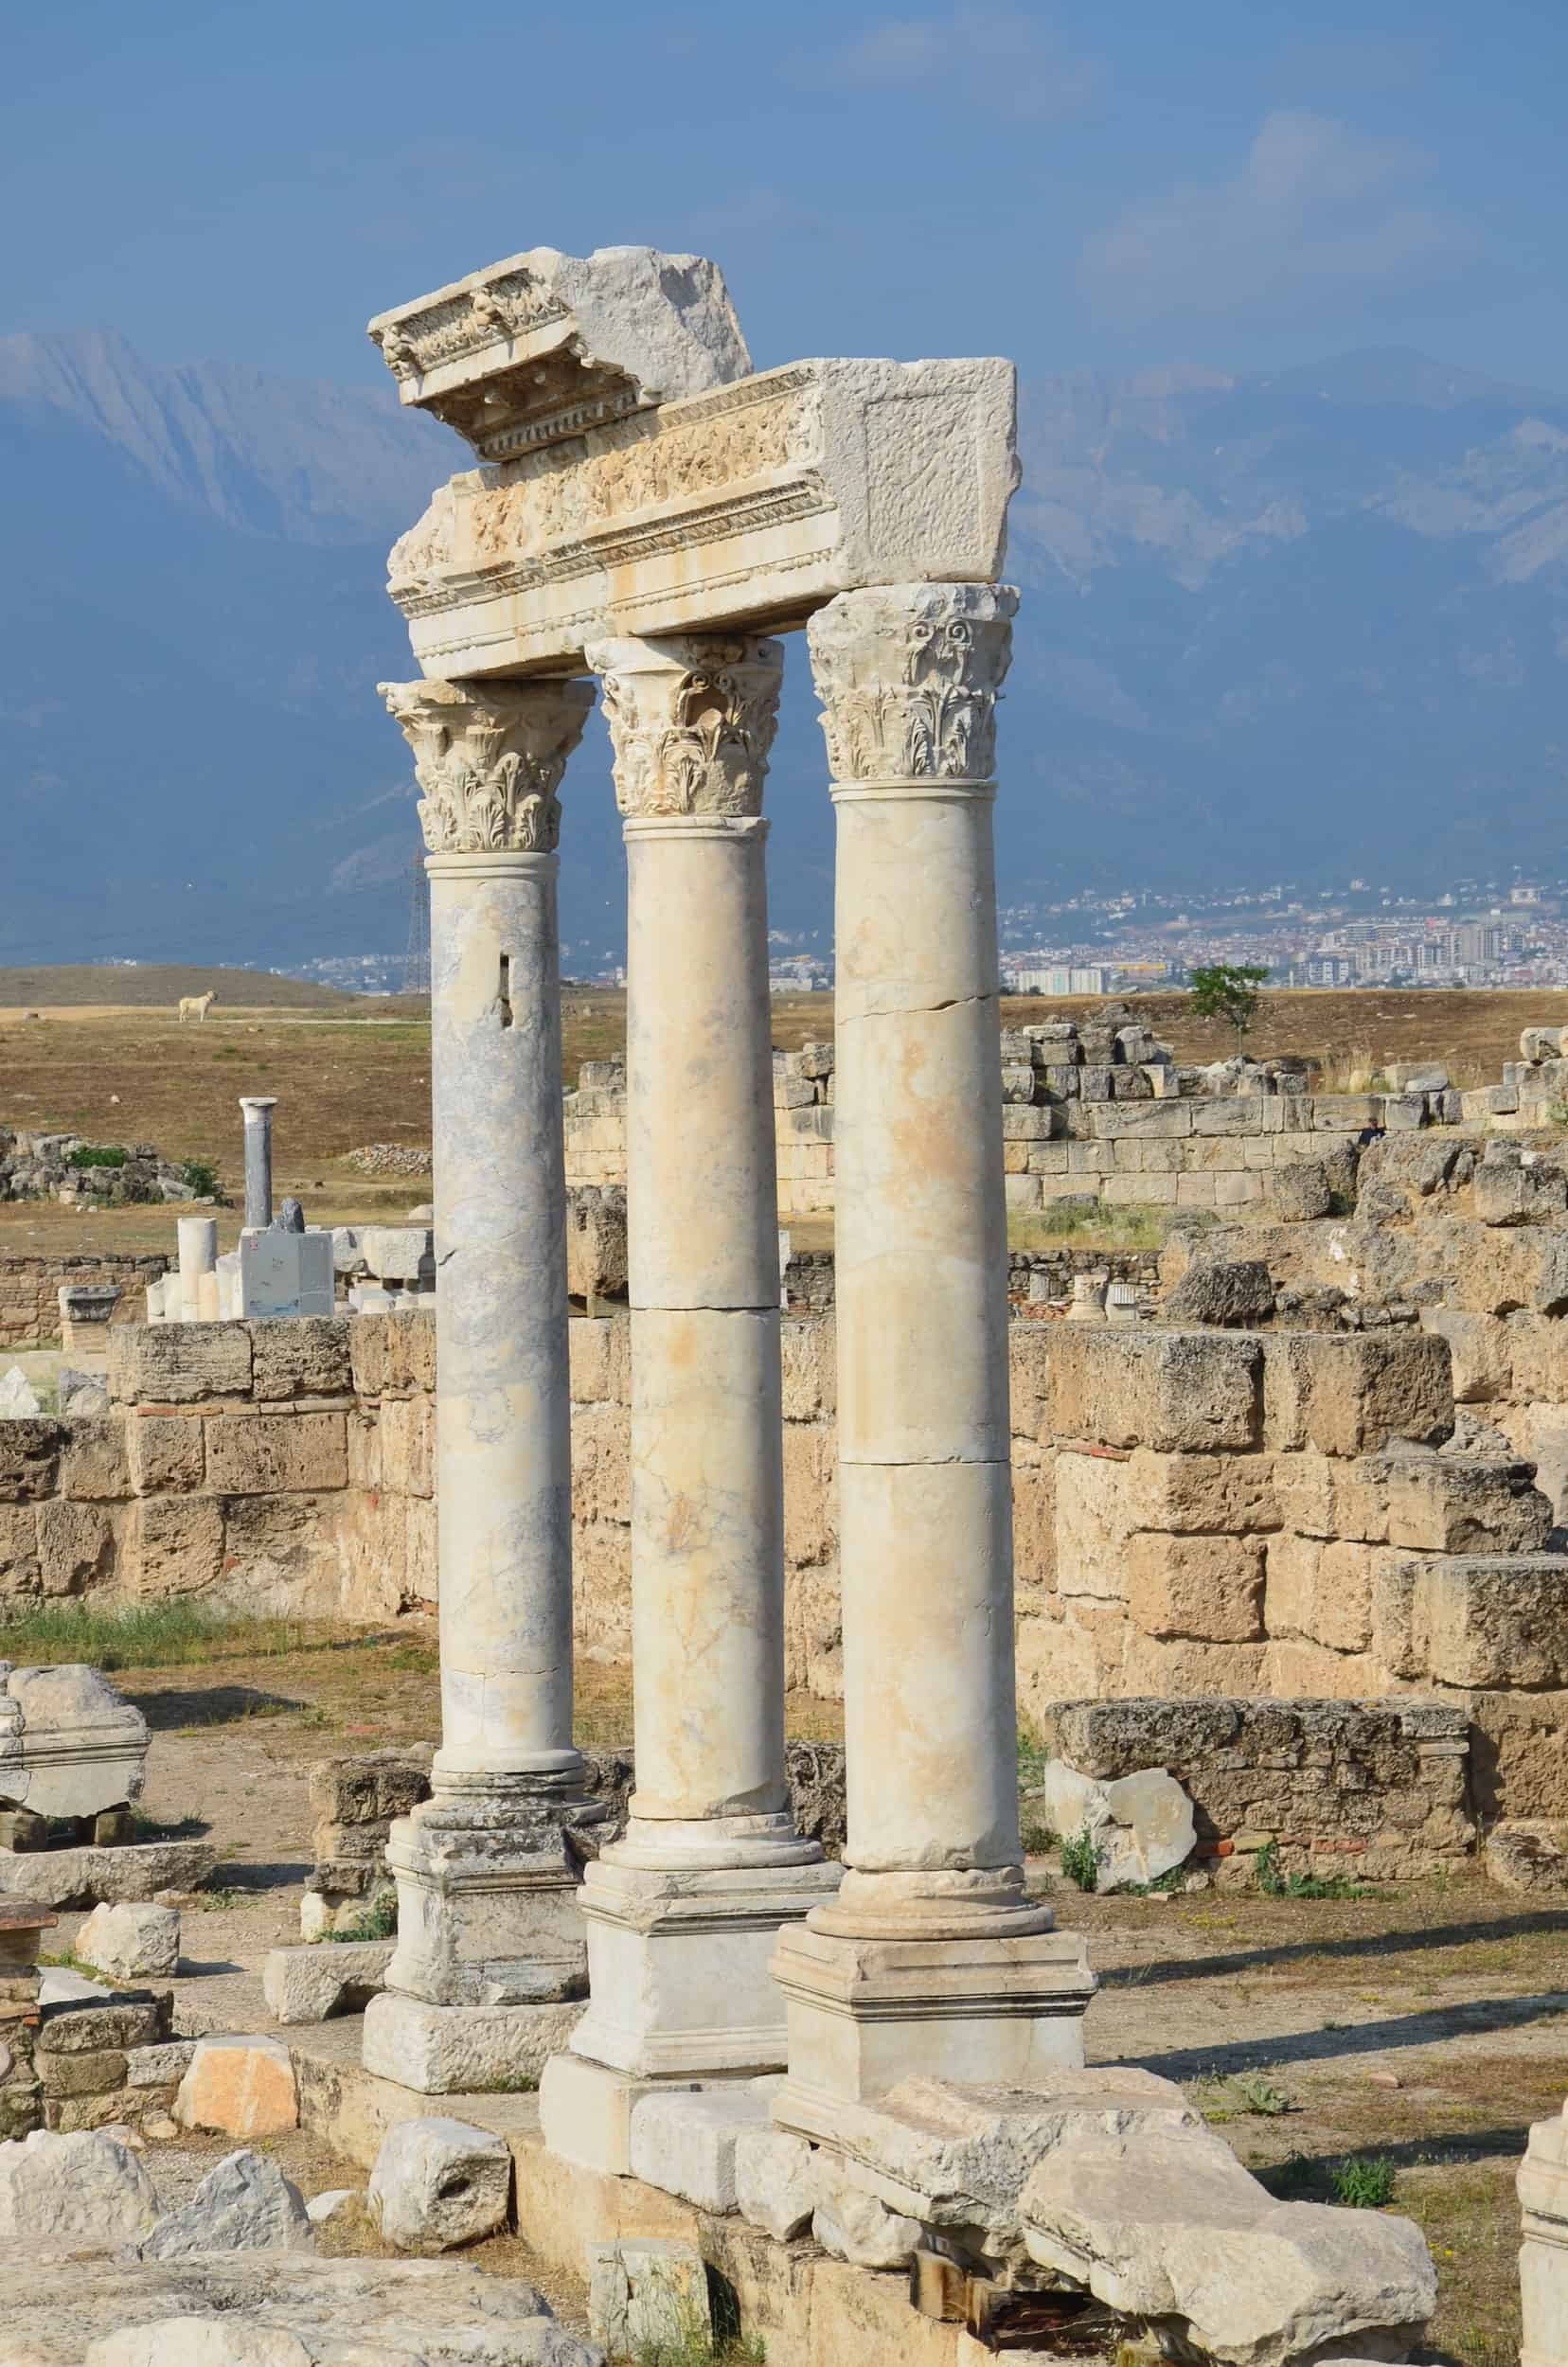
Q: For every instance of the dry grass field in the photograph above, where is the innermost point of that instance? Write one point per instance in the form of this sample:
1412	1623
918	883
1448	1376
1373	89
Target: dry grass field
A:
350	1070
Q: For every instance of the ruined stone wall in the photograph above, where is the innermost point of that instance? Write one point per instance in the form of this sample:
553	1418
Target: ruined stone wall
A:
1238	1512
269	1467
29	1286
1196	1512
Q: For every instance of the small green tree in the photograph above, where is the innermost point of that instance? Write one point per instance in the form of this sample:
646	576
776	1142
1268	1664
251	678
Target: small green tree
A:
1228	991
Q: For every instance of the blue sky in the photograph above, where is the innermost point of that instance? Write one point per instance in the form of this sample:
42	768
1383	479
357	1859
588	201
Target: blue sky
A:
1229	181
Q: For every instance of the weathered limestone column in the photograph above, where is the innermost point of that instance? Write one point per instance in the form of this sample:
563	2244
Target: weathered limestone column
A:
198	1241
682	1912
488	1924
258	1110
931	1958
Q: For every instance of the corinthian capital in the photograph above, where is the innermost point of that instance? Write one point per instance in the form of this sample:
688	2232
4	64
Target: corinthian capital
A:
488	757
909	675
691	721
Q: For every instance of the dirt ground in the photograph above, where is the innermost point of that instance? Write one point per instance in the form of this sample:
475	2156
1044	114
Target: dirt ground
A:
350	1071
1426	2026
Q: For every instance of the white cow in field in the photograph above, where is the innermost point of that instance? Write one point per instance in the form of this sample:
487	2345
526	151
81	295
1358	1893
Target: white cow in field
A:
197	1006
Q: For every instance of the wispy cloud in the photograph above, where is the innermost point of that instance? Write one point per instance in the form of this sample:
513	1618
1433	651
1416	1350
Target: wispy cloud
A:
1318	211
1010	60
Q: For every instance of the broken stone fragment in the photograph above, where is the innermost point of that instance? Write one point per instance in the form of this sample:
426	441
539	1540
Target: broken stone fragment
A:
245	2205
1141	1824
1167	2228
438	2183
83	2191
647	2293
131	1942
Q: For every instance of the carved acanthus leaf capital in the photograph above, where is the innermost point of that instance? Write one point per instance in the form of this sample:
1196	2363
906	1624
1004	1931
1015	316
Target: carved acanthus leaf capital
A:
909	676
692	720
489	758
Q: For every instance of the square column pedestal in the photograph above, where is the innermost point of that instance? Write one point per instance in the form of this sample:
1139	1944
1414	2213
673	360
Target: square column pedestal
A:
863	2014
680	1986
491	1964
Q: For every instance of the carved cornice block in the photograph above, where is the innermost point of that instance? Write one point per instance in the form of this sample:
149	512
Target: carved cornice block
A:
488	759
751	504
544	346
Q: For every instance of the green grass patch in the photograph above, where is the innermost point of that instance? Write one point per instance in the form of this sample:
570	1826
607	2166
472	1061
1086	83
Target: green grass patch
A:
172	1635
97	1155
378	1922
1365	2182
1274	1883
1079	1860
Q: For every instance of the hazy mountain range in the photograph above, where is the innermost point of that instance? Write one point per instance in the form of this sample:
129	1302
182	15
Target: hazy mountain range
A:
1297	625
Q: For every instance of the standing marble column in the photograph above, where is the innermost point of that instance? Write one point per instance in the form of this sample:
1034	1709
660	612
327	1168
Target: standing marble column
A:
488	1925
682	1913
258	1110
931	1958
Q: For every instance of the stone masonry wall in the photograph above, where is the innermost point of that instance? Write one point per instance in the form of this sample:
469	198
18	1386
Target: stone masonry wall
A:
29	1304
1195	1512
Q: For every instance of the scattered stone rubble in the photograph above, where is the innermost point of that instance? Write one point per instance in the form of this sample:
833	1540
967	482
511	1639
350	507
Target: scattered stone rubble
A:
38	1167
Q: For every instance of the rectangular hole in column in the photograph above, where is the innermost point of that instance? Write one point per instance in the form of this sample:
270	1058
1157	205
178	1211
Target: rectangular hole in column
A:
502	993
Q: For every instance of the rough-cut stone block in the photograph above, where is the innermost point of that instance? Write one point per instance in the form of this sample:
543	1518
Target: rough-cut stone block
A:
265	1452
167	1453
685	2143
1321	1591
1167	1389
1492	1621
243	2087
29	1458
76	1546
454	2050
439	2182
1228	1492
1479	1350
647	2295
599	1352
1351	1393
1210	1588
178	1363
174	1545
774	2182
307	1985
306	1356
95	1464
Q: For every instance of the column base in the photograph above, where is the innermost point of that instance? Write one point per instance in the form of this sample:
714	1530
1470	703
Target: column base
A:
863	2014
463	2049
488	1911
678	1962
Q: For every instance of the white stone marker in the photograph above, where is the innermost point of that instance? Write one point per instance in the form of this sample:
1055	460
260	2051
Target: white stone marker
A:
198	1240
682	1912
488	1923
258	1110
931	1959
